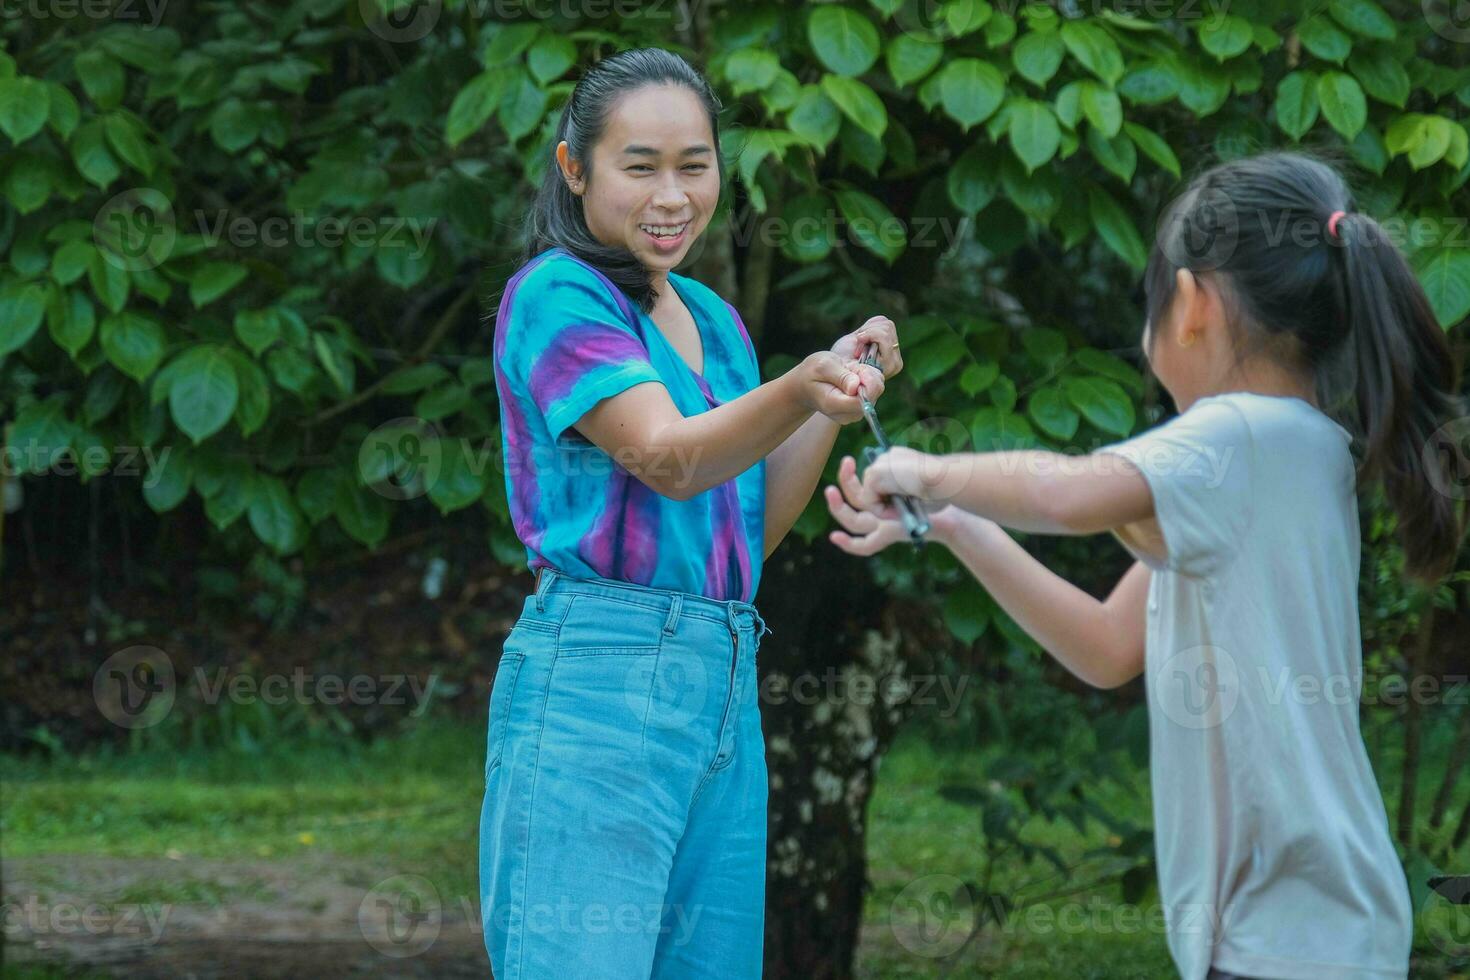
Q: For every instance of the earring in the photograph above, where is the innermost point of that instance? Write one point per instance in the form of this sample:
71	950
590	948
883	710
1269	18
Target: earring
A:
1187	340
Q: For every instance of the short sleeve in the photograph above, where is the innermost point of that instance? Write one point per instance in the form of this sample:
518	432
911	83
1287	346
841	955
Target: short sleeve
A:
1198	467
570	340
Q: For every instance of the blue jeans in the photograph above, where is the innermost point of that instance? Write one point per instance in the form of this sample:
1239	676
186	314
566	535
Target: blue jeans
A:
623	833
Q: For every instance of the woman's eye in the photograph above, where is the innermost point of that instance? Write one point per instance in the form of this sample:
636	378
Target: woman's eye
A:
697	168
640	168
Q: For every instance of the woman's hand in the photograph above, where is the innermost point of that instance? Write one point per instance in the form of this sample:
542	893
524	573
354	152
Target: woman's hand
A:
829	384
884	333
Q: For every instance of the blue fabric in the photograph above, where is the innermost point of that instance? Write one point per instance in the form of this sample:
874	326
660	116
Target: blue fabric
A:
623	831
565	339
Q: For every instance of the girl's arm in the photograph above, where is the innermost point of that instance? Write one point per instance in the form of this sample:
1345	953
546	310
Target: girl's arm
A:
1029	490
1102	643
644	432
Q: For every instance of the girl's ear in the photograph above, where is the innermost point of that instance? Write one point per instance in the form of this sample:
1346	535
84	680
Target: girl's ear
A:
1186	307
571	170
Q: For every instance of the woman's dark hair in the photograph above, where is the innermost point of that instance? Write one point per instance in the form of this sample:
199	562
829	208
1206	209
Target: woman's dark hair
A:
556	217
1340	304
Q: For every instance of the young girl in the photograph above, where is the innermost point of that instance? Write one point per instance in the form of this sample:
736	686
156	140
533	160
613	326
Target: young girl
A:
1274	855
649	474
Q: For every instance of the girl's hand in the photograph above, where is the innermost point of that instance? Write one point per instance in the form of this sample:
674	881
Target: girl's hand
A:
903	471
869	531
880	330
829	384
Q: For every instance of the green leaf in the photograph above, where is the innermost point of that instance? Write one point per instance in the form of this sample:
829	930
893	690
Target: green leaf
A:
1296	103
24	106
234	125
1445	275
1437	136
1154	147
1115	227
109	282
90	153
28	181
1037	56
133	343
70	319
751	69
65	113
1094	49
815	119
1033	132
1343	103
39	436
254	404
1052	413
22	305
858	103
911	58
1363	17
257	329
971	181
550	57
1225	36
971	90
203	391
101	77
1101	402
127	141
168	479
808	220
363	514
337	366
1381	75
212	280
1151	83
844	40
274	516
996	429
459	482
873	226
1324	39
71	260
474	105
1102	107
522	106
1109	366
1117	155
966	612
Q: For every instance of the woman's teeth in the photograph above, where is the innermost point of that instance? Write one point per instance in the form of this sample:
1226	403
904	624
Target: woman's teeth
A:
665	231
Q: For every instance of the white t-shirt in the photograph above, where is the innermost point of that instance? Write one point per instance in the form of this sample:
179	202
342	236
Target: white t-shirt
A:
1273	846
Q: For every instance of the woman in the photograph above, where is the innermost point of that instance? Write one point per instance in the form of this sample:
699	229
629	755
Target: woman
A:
649	474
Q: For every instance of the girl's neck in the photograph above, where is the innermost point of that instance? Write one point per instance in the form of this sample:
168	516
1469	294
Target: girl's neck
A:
1264	377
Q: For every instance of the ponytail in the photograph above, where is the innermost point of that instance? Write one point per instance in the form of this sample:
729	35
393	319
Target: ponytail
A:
1303	268
556	219
1406	390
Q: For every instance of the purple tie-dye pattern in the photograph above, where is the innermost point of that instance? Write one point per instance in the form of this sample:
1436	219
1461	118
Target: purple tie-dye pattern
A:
623	540
576	350
519	441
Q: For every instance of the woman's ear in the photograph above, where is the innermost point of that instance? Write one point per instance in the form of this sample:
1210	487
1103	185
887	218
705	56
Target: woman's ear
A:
571	170
1188	297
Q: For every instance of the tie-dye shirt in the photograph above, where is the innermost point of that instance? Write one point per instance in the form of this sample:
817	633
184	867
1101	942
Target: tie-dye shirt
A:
565	339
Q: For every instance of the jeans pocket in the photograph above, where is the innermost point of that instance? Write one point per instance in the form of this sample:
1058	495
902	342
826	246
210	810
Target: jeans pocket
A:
503	690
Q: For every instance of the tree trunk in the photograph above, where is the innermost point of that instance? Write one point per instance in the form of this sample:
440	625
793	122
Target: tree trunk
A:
824	736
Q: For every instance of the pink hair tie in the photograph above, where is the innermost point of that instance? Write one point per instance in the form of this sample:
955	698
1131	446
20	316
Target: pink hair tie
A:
1332	223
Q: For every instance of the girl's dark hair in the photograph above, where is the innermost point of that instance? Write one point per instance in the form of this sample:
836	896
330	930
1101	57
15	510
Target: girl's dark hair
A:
556	217
1344	308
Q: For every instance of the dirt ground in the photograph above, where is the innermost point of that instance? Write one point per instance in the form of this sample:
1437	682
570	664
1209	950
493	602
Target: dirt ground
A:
150	917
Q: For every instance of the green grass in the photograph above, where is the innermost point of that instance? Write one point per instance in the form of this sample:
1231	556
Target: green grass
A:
410	805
